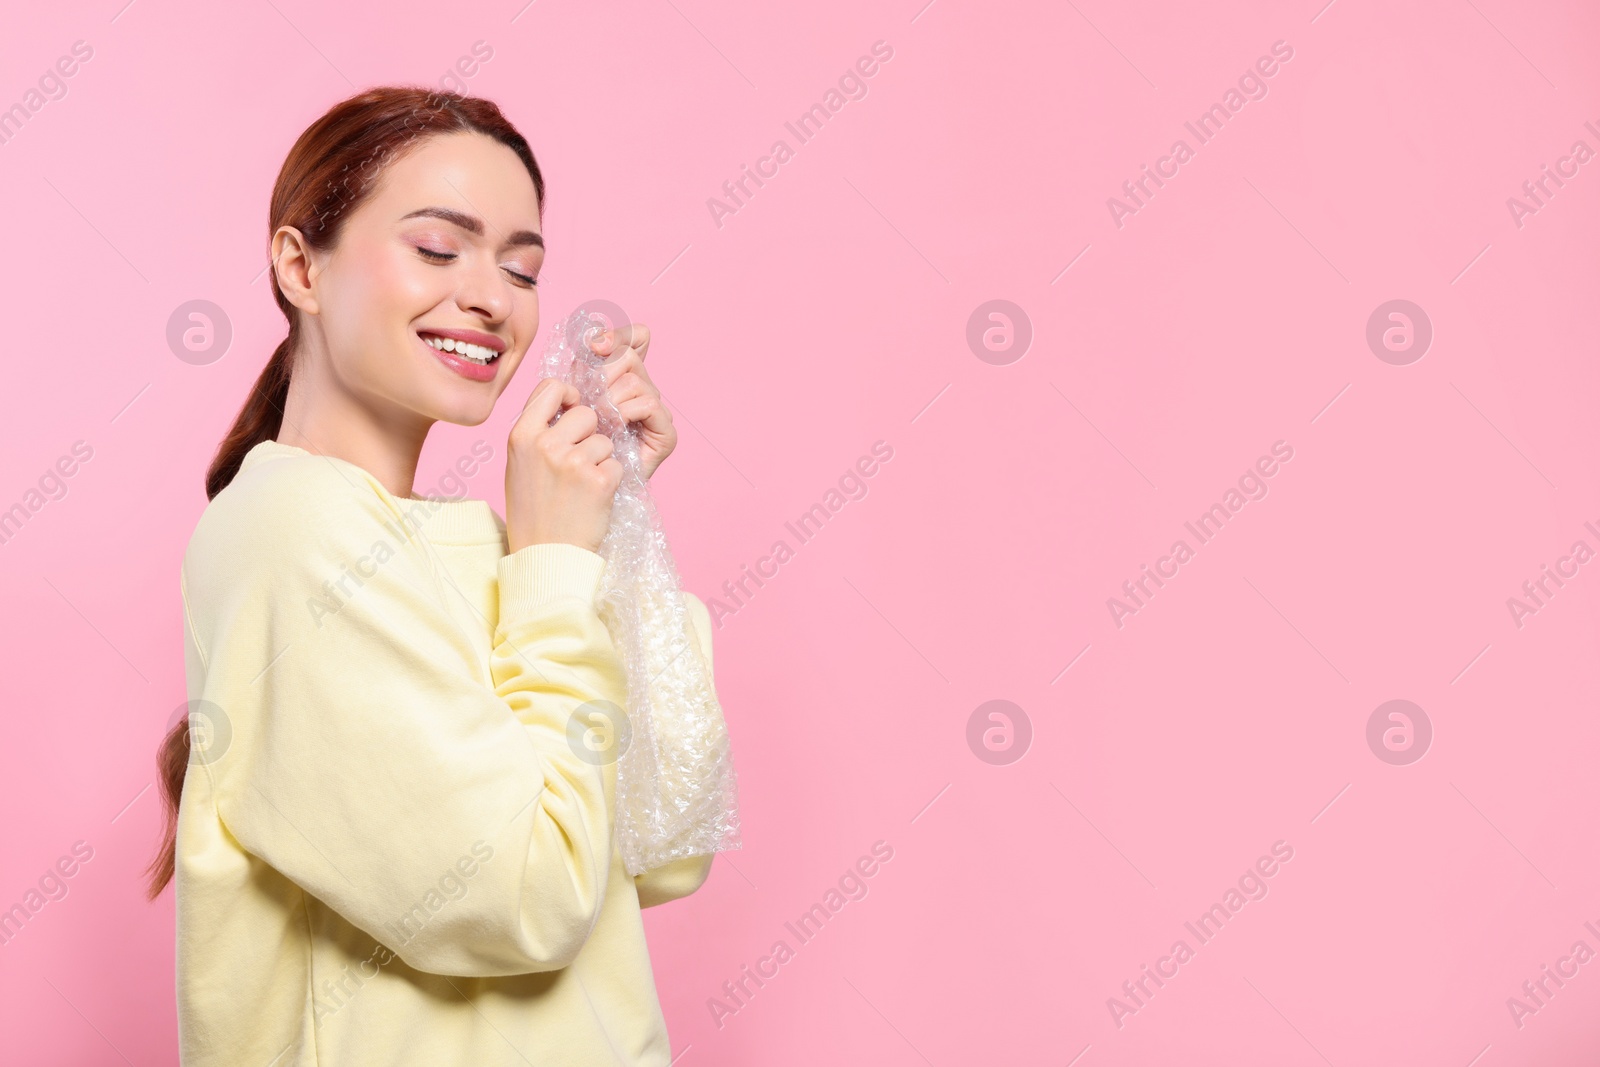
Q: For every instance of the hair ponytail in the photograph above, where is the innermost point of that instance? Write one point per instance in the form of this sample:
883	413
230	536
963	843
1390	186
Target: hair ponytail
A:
259	420
328	172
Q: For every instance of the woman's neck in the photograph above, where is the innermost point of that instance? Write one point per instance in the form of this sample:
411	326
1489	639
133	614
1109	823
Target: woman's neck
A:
322	418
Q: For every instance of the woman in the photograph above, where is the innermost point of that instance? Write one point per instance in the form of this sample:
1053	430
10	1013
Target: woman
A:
390	844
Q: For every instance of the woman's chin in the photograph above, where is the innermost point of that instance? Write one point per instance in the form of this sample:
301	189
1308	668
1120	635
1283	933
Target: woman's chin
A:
466	414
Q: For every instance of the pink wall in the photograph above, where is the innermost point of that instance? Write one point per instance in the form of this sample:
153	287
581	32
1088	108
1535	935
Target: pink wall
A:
830	311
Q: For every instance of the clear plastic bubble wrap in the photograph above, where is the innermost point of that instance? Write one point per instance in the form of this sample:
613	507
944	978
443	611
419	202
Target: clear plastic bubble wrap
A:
676	795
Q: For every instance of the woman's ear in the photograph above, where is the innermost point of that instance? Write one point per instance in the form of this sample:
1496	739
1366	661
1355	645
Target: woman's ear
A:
291	263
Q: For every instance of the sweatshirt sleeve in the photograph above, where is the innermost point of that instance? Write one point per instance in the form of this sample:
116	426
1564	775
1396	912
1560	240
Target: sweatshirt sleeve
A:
679	878
361	750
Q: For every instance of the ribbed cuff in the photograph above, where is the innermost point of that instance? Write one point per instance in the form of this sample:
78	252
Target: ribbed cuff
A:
535	575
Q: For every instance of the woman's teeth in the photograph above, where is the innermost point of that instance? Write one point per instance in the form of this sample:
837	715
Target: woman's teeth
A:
475	353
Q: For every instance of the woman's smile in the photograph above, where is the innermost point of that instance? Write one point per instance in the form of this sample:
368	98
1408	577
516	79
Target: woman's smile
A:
470	353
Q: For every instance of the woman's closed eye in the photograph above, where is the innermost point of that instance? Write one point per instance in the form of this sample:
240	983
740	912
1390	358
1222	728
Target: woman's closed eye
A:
446	257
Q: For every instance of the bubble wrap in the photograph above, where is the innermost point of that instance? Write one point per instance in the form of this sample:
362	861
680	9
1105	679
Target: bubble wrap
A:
676	795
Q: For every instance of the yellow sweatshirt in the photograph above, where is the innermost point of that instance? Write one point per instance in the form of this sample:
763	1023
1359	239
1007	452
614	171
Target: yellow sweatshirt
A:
393	845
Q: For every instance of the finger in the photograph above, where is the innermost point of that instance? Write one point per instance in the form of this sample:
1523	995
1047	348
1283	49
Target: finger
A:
620	362
649	412
631	371
630	386
595	448
626	388
576	423
623	359
548	397
644	376
635	335
627	368
640	340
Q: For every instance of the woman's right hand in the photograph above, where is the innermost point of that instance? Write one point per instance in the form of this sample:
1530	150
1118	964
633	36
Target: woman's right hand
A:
561	479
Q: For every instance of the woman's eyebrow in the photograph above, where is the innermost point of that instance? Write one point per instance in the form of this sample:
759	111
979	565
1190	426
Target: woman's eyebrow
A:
472	224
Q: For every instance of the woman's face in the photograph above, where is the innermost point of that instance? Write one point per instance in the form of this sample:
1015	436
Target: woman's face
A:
446	246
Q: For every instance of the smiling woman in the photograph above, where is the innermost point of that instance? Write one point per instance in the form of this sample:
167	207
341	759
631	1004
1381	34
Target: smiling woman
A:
350	758
446	249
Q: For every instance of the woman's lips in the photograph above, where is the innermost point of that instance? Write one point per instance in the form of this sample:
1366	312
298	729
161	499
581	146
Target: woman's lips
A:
478	372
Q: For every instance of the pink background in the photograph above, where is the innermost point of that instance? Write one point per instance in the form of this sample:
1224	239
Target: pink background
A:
831	312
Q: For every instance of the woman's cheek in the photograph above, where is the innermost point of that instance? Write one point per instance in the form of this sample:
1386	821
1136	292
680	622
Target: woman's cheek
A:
405	281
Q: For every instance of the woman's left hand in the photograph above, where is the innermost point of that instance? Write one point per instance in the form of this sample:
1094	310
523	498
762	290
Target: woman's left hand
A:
635	395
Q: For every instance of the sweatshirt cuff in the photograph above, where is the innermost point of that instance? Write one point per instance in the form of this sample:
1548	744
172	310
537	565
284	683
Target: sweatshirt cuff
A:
535	575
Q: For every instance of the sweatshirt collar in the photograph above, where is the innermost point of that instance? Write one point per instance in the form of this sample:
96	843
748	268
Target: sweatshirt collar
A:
443	520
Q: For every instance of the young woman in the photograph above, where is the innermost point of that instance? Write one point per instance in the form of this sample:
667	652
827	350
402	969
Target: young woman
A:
390	842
